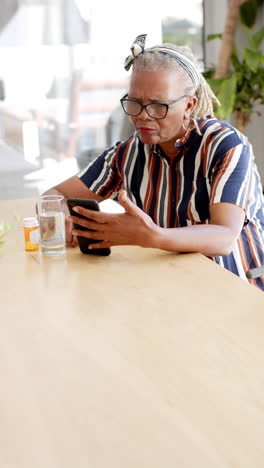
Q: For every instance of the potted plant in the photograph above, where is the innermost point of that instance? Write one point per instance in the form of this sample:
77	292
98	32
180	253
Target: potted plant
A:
241	87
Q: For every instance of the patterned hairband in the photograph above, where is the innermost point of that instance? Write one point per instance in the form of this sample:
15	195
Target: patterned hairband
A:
138	47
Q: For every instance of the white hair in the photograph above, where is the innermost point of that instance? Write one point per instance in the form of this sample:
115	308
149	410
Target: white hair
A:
153	59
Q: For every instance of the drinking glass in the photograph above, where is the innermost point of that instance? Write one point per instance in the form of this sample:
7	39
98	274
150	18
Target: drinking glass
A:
51	225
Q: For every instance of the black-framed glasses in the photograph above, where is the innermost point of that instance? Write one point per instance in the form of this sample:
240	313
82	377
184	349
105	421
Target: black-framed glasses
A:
155	110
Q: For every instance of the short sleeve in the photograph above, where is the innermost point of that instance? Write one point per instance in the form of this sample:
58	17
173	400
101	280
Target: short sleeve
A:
233	176
102	176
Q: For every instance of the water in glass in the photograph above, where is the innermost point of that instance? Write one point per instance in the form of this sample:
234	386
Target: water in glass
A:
52	233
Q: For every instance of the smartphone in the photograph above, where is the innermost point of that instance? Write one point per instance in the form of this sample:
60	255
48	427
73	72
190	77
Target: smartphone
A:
84	242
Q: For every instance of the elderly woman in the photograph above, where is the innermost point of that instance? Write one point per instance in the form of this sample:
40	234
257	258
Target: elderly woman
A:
187	182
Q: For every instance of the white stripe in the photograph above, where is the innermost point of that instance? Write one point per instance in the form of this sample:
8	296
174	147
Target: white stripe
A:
162	188
224	178
106	168
238	261
253	246
254	184
165	183
80	174
158	203
182	186
145	178
259	228
131	159
243	187
217	140
194	212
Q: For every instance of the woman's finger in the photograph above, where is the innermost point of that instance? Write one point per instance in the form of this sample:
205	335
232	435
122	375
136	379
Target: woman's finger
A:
74	241
88	223
100	245
68	229
97	235
128	205
98	216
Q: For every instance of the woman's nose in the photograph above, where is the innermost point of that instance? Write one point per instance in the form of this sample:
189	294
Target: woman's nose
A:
144	115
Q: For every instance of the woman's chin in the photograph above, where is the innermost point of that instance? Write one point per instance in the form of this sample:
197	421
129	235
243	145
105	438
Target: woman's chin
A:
149	139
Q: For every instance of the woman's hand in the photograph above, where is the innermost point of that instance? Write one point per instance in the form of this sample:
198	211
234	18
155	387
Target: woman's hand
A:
134	227
70	238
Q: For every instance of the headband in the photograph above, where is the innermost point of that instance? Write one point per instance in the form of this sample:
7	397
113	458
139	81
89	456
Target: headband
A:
138	47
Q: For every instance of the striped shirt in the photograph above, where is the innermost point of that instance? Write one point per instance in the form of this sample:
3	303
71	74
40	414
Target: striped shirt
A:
216	166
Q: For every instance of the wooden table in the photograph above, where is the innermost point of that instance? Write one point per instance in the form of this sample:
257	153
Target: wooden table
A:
144	359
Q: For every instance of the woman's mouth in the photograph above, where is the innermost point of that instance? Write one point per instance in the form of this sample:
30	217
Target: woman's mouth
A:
146	130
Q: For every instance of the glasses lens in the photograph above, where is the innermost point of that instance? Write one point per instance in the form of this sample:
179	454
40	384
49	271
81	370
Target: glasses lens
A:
157	111
131	107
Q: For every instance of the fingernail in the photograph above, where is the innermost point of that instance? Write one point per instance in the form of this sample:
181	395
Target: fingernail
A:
76	209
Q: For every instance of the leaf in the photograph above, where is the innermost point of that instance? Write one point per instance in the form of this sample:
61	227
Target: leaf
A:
258	37
253	59
250	38
210	37
215	84
209	73
244	88
235	60
248	13
5	228
3	234
227	96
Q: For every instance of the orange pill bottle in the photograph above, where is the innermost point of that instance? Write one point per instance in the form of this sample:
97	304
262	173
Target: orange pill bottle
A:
31	234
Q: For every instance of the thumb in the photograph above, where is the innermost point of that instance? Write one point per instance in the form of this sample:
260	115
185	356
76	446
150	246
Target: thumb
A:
128	205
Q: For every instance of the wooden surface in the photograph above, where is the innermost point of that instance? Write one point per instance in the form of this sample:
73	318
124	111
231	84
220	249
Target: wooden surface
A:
144	359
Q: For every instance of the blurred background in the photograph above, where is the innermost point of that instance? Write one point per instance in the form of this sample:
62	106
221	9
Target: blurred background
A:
62	75
61	78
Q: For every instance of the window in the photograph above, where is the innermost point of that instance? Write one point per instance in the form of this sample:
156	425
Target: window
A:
61	78
184	26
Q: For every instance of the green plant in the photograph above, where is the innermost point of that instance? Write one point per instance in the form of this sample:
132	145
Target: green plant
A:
243	88
5	228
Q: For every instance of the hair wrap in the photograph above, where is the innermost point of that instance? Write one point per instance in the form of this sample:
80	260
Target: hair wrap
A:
137	48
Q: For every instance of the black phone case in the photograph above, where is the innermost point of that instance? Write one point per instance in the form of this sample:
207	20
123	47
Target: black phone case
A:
84	242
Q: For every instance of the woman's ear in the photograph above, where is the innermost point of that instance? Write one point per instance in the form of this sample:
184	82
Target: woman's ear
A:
190	105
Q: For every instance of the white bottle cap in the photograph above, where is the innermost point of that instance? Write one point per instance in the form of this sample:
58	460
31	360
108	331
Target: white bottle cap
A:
30	222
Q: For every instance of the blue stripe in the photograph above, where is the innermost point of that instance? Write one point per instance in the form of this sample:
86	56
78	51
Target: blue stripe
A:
228	262
137	176
233	184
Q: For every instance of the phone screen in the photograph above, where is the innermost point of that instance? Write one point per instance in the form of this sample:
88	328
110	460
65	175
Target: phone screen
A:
84	242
